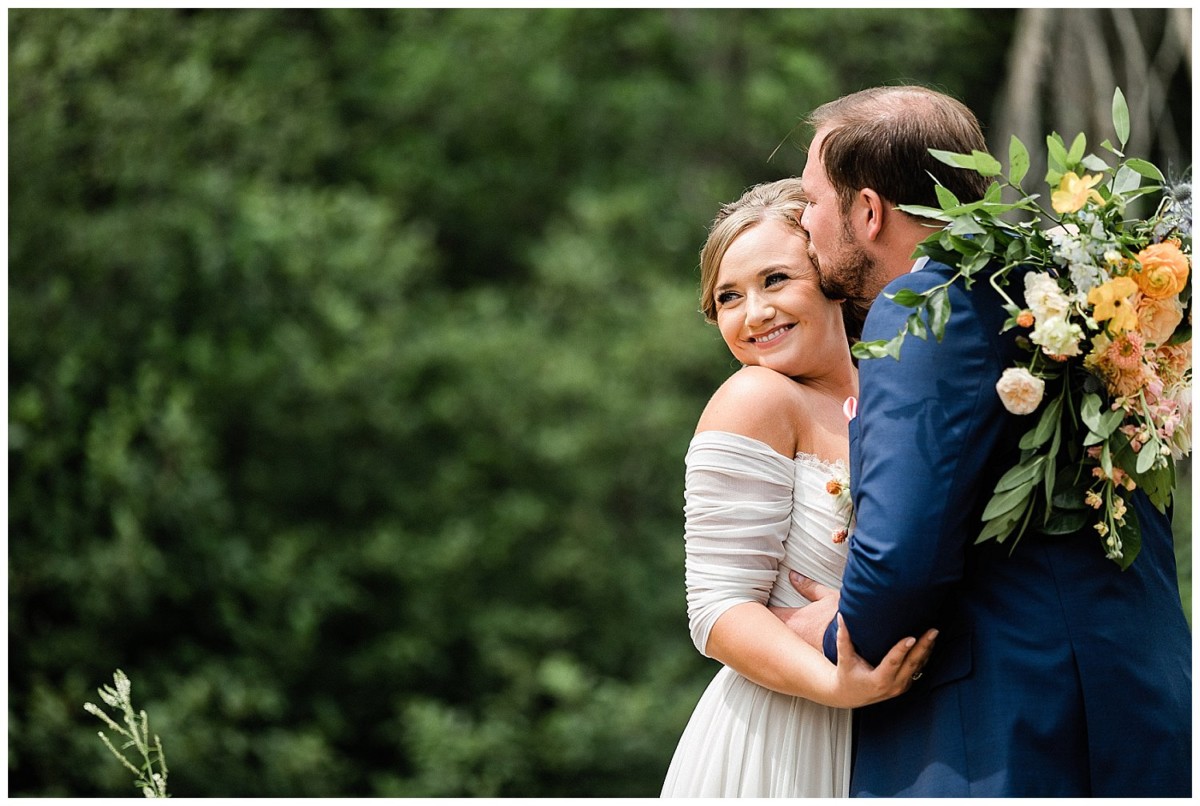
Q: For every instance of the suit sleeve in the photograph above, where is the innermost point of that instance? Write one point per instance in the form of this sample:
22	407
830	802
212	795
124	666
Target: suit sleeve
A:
926	427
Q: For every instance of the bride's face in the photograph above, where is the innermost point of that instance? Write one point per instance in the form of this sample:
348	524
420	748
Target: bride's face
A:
770	309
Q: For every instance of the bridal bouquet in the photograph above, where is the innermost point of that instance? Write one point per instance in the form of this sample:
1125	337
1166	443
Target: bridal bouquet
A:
1106	323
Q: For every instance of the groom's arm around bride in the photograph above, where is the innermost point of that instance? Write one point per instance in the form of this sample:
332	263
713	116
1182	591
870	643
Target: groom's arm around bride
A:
1057	673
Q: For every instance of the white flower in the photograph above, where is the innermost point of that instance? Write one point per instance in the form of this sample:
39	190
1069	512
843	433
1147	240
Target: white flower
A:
1084	254
1085	277
1020	390
1057	336
1044	297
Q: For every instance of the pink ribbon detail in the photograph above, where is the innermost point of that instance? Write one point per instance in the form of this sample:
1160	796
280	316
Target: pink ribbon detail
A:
850	408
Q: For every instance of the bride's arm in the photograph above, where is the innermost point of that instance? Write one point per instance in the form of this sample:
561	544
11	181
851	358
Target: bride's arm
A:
738	510
755	643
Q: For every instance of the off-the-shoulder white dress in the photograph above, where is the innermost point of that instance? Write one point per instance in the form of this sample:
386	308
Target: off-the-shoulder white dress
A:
752	514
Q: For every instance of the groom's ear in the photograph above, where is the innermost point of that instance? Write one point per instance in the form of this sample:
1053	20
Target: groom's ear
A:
873	208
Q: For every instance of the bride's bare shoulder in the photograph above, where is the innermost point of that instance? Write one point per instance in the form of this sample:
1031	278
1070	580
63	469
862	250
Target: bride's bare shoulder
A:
758	403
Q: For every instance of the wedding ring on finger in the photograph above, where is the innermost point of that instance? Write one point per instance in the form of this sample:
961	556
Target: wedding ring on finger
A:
917	676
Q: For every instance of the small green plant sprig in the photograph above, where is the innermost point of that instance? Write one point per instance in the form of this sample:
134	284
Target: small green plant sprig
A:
1106	323
151	776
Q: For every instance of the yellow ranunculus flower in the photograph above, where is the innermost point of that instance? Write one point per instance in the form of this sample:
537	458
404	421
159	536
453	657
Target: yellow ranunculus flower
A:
1074	191
1164	270
1112	302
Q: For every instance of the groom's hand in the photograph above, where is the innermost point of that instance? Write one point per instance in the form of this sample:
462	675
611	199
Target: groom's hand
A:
809	622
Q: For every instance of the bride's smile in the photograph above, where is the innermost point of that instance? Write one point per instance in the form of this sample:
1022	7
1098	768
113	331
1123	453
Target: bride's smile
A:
770	336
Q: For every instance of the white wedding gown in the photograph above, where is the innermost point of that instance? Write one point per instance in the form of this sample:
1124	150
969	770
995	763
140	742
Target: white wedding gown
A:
751	515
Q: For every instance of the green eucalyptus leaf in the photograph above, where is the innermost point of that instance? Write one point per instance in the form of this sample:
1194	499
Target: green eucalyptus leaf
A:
1126	180
976	263
953	158
938	306
1037	436
1146	169
1021	473
1143	191
907	297
1051	474
971	208
945	198
1146	457
1006	500
915	326
965	225
1109	421
1089	411
1077	148
880	348
1120	116
870	349
999	528
1018	160
1016	252
986	164
1056	154
921	211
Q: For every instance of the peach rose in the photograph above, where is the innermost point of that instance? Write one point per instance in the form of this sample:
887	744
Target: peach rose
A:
1164	270
1020	390
1158	318
1174	359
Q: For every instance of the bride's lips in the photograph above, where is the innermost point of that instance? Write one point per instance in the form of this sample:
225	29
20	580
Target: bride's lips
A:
771	336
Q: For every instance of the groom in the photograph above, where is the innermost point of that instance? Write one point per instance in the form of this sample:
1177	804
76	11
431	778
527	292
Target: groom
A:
1056	674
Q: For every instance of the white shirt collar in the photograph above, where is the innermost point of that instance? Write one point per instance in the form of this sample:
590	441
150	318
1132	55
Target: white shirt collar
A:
920	263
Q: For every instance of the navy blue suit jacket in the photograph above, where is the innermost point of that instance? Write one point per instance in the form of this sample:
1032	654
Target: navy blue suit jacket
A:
1055	673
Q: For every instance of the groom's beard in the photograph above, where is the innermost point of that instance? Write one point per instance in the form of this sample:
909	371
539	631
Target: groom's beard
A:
847	274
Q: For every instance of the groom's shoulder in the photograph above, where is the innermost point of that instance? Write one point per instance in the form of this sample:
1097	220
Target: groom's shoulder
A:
977	307
935	273
932	274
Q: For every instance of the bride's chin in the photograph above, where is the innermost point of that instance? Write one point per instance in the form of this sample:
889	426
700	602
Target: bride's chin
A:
791	370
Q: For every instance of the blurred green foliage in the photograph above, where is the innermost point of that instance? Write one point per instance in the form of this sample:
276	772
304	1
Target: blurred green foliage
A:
353	357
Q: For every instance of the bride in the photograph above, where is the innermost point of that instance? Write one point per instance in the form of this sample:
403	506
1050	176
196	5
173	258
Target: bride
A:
762	471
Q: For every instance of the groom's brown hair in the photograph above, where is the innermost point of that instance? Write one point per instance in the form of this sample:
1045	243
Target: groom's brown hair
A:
879	138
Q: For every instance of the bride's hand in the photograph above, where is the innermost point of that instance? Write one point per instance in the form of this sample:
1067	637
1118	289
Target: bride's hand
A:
862	684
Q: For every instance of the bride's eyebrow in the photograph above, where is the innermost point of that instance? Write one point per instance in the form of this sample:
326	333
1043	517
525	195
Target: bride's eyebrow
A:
758	275
765	271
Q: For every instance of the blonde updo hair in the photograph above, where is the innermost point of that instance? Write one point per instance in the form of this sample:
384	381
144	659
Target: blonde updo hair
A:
782	200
